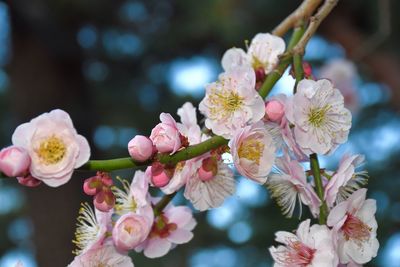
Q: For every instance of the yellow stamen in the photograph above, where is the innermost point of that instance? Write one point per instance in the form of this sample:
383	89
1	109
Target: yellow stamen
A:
224	102
317	116
52	150
251	149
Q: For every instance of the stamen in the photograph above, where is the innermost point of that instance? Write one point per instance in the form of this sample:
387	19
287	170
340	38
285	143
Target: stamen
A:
125	202
251	149
87	228
224	102
317	116
354	228
52	150
296	254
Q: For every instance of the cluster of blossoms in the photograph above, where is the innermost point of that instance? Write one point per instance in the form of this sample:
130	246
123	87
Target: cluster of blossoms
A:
268	140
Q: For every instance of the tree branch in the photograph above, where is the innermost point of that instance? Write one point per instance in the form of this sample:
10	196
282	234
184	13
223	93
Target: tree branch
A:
303	12
315	21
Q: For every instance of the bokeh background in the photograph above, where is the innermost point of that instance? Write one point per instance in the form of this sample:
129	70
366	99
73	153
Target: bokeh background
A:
115	65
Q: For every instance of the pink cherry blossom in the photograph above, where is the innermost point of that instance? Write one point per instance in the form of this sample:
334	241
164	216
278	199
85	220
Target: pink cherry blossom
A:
232	102
130	230
253	152
321	122
105	255
355	226
263	53
282	131
91	228
310	246
173	226
54	147
289	184
188	126
14	161
213	183
345	180
165	135
140	148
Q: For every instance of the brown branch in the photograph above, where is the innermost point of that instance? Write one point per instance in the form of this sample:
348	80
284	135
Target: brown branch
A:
302	13
315	21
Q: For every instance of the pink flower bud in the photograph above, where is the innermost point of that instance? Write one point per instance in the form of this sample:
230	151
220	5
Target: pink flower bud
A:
159	175
14	161
208	169
92	186
140	148
274	110
130	230
29	181
165	136
105	178
104	200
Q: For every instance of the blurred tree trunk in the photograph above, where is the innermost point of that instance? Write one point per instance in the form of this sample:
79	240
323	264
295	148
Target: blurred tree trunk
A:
42	79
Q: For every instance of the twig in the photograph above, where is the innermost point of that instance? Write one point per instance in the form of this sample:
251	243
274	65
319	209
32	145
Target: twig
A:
163	203
323	209
315	21
303	12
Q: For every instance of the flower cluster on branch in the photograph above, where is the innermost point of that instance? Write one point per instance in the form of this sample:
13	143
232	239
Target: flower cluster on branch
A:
269	141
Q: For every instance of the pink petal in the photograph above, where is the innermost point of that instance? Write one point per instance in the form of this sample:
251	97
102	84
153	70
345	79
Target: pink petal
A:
157	247
180	236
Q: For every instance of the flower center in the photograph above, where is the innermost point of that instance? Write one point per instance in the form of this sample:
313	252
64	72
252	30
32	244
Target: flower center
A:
52	150
162	228
354	228
257	64
251	149
224	103
316	116
297	254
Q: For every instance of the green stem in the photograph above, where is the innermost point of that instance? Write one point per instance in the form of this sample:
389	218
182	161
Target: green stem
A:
298	63
163	203
274	76
185	154
323	210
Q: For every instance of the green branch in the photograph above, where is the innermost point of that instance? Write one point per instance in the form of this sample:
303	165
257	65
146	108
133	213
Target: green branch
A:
128	163
323	209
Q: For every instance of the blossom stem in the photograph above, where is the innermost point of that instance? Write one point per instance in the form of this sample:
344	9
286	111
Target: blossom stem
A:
159	207
323	210
185	154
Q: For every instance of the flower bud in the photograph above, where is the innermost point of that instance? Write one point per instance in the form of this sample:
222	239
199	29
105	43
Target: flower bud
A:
140	148
130	230
14	161
92	185
29	181
165	136
104	200
208	169
274	110
159	175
